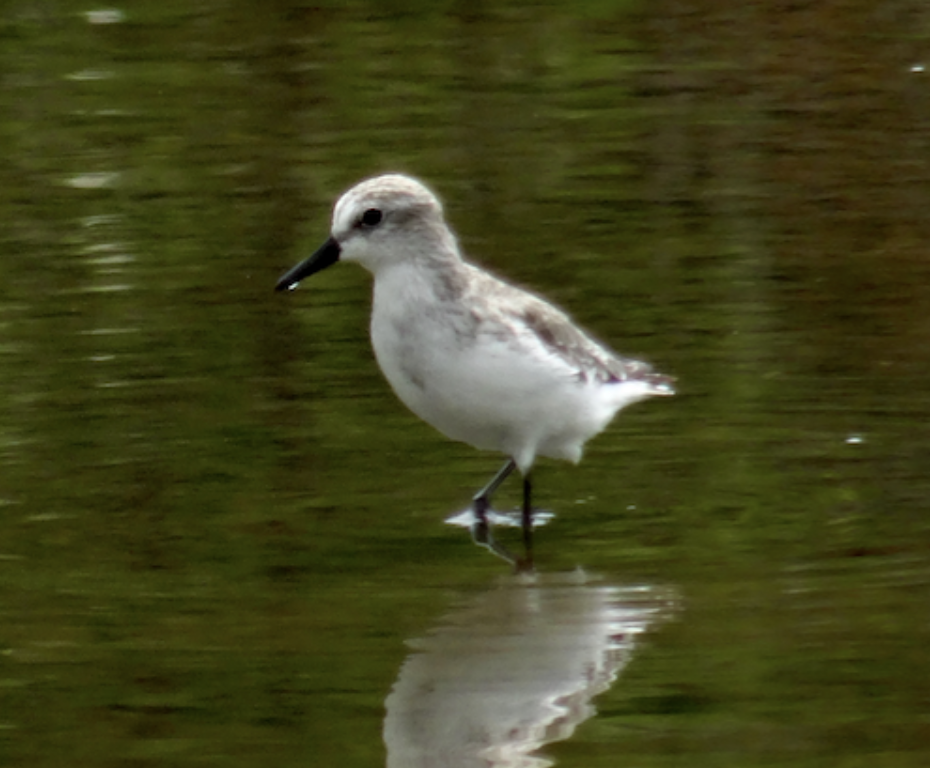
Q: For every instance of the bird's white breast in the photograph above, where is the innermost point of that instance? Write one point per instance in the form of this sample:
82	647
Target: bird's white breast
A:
473	383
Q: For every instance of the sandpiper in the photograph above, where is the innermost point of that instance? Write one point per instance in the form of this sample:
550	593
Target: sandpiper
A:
481	360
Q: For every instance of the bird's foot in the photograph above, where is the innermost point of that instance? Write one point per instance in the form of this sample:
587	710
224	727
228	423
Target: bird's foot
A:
479	518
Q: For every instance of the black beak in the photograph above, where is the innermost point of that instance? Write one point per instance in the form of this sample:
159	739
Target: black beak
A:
324	256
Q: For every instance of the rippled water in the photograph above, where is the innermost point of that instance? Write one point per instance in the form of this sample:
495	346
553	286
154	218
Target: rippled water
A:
221	536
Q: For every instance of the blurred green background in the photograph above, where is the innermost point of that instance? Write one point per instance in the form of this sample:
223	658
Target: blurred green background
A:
218	527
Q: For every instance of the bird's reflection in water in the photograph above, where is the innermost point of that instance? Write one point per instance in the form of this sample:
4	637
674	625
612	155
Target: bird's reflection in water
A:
513	670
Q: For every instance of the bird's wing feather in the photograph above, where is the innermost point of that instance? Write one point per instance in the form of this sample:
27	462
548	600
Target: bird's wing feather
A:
538	323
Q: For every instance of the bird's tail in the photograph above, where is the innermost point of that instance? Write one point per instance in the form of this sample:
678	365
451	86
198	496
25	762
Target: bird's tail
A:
655	383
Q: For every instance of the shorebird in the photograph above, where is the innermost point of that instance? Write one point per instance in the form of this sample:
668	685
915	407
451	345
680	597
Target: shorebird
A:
481	360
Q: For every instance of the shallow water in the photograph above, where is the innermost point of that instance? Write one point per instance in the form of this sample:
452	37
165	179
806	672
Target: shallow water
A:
222	538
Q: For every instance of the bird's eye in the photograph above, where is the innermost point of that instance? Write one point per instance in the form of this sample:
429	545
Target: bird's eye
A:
371	217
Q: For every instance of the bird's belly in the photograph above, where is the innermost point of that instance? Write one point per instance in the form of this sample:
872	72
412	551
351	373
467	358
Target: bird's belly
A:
482	395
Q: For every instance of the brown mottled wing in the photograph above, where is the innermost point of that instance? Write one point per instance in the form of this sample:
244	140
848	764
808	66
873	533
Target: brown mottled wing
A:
592	361
555	332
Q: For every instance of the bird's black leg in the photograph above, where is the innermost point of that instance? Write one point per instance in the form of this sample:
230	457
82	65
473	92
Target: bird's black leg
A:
527	519
481	503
